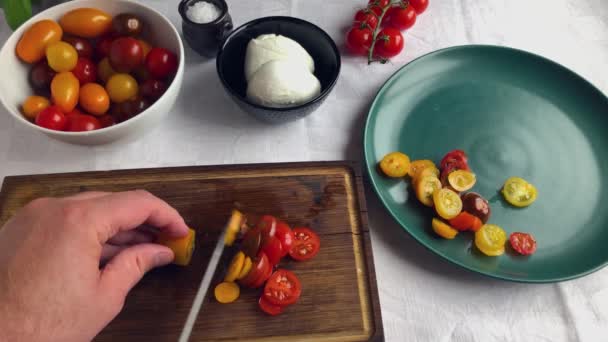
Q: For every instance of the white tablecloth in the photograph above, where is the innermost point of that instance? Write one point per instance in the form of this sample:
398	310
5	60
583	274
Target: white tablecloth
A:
423	297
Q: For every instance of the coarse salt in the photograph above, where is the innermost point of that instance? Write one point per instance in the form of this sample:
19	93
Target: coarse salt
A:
203	12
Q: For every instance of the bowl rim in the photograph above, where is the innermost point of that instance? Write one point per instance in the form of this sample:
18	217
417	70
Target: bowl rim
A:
316	99
105	130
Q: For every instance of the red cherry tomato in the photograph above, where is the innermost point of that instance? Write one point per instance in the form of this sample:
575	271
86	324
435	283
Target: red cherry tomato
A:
82	123
126	54
107	121
452	161
102	49
85	71
523	243
259	268
465	221
377	5
306	244
285	235
273	249
52	118
153	89
359	40
390	43
262	279
267	225
366	16
419	5
268	307
402	17
161	63
283	288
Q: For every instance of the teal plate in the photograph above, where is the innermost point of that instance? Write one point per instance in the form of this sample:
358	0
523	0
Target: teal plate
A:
515	114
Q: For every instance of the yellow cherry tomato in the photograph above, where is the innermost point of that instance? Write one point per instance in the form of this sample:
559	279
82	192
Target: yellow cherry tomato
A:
519	192
490	240
447	203
94	99
104	70
31	48
182	248
64	91
227	292
427	171
121	87
247	265
462	180
425	188
61	56
34	105
418	165
395	164
443	229
86	22
235	267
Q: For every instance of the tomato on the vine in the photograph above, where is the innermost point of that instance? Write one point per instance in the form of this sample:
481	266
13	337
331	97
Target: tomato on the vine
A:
359	40
419	5
378	5
402	17
390	43
368	17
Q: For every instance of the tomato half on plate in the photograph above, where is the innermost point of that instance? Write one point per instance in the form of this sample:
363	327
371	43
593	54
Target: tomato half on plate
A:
465	221
519	192
490	240
447	203
268	307
523	243
283	288
306	244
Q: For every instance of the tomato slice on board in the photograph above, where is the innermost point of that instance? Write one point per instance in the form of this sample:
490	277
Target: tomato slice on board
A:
259	268
523	243
262	279
285	235
273	249
267	225
235	267
283	288
519	192
306	244
464	221
447	203
490	240
268	307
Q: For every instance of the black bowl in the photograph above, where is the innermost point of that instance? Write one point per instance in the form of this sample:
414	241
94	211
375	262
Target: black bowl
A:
230	64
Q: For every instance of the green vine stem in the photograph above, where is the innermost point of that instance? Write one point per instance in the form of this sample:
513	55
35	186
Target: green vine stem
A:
370	56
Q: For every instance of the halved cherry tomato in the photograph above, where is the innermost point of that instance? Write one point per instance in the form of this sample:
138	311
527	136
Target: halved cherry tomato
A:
425	188
52	118
457	157
267	226
268	307
523	243
271	245
262	279
427	171
462	180
285	235
443	229
235	267
31	48
65	89
251	242
490	240
395	164
283	288
464	221
447	203
475	204
519	192
259	268
86	22
247	264
306	244
418	165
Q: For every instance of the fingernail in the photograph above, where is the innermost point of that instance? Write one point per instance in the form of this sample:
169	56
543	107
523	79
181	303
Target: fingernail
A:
163	258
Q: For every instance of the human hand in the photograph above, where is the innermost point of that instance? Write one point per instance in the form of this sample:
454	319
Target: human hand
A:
67	264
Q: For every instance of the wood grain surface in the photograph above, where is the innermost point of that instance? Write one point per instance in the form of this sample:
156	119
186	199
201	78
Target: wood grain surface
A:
339	299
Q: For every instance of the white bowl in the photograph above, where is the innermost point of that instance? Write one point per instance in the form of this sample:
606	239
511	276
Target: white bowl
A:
15	87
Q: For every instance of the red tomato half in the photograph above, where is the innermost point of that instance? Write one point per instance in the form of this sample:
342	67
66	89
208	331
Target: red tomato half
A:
285	235
273	249
268	307
455	157
523	243
306	244
260	267
267	225
465	221
283	288
262	279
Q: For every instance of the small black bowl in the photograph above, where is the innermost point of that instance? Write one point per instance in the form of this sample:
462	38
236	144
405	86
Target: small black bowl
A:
205	39
230	64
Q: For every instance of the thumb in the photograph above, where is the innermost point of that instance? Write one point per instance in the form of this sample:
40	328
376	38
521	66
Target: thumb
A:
127	268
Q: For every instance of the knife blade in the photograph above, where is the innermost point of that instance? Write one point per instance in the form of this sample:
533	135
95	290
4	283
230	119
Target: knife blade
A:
204	287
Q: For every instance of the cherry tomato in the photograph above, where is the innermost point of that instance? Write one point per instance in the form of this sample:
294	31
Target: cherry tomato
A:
153	89
366	17
94	99
283	288
285	235
359	40
106	121
417	166
61	56
104	70
395	164
102	49
82	123
86	22
402	17
267	226
419	5
41	76
427	171
523	243
52	118
425	187
251	242
145	46
262	279
455	158
85	71
490	240
268	307
161	62
519	192
83	47
465	221
462	180
306	244
443	229
34	105
132	108
31	48
273	249
127	24
378	5
64	91
121	87
447	203
475	204
259	269
390	43
126	54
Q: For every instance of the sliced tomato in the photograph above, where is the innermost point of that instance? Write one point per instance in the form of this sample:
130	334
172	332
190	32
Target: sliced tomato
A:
283	288
443	229
490	240
306	244
425	187
251	243
262	279
285	235
447	203
523	243
519	192
267	225
259	268
462	180
464	221
477	224
455	156
273	249
268	307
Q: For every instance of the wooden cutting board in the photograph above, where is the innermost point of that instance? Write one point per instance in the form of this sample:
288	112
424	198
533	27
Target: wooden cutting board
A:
339	299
